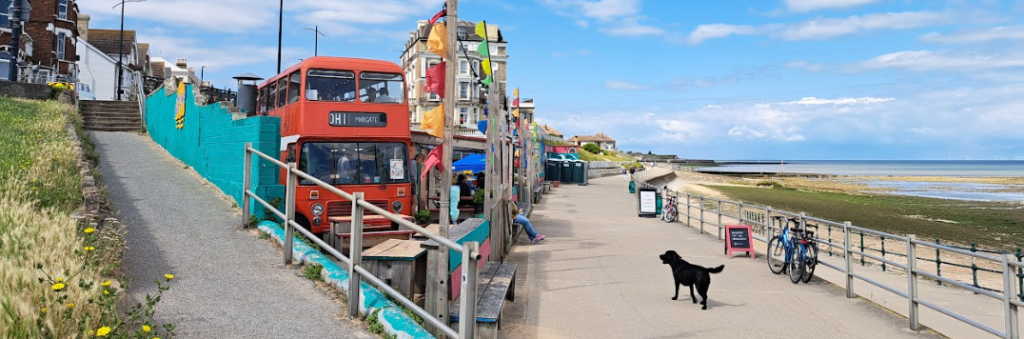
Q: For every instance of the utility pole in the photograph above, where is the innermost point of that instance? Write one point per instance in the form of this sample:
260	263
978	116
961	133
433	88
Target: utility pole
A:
450	100
280	28
316	38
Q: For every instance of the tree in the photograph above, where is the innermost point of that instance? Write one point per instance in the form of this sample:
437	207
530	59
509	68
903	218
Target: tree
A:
592	148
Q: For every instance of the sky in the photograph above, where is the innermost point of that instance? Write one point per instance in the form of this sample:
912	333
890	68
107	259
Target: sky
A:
723	80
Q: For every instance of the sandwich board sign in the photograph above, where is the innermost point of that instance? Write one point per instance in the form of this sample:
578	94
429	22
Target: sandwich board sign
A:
647	203
738	239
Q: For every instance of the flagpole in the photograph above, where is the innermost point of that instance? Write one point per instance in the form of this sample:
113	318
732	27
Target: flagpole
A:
450	100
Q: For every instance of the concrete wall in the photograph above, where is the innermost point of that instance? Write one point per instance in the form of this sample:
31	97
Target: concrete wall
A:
212	141
24	90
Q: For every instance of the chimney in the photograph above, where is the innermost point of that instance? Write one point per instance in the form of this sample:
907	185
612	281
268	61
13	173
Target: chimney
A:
420	24
83	26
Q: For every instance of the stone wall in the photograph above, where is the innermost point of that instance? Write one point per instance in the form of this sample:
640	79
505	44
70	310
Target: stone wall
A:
24	90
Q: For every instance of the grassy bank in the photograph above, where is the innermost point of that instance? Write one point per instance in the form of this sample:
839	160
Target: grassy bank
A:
55	269
994	225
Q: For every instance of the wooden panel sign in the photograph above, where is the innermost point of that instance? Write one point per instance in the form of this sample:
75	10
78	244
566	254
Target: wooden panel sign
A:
738	239
647	203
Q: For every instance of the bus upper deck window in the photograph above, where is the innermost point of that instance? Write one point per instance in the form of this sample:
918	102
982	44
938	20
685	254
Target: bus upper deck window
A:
330	85
381	88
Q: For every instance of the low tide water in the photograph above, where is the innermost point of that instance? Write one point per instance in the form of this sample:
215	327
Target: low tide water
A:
943	190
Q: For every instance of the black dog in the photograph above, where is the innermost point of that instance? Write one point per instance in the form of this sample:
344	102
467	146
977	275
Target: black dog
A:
690	275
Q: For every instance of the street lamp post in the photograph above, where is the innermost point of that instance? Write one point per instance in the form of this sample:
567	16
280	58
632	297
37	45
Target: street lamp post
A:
316	38
120	54
280	28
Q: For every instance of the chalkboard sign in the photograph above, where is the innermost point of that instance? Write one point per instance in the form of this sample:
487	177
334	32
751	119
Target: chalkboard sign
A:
647	203
738	239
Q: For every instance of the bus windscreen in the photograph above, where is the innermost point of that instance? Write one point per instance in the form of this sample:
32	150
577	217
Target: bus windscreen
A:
330	85
352	163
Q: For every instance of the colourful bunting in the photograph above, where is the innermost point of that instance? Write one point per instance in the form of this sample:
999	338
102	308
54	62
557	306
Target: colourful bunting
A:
484	49
515	92
433	121
437	41
488	81
435	79
486	65
437	16
481	29
515	112
433	160
515	103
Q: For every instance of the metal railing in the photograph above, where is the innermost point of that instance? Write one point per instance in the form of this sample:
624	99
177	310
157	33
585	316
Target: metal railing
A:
140	96
470	250
760	218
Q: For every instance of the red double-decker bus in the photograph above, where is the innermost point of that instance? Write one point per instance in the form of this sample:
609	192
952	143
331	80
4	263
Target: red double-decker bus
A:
344	121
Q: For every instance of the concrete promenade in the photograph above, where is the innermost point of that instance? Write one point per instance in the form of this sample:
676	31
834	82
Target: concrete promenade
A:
228	283
598	276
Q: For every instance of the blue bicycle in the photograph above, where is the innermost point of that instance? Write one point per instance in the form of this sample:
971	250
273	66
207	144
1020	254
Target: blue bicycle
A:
794	251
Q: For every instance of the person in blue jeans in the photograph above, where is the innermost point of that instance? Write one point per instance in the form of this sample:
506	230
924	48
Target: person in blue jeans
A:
532	233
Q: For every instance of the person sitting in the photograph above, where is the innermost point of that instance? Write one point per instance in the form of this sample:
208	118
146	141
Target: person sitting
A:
382	96
465	189
521	219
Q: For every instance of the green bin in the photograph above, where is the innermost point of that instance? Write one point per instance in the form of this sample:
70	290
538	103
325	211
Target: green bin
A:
657	202
632	187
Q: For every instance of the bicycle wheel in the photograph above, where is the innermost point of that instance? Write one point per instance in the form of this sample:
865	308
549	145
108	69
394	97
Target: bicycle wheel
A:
810	261
669	214
776	255
796	265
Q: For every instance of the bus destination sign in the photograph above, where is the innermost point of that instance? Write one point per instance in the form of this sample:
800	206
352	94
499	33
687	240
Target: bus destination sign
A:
357	119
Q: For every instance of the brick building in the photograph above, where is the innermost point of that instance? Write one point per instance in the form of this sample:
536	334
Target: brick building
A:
416	59
48	39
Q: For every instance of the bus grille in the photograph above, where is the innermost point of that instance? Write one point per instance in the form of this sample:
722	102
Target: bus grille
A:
344	208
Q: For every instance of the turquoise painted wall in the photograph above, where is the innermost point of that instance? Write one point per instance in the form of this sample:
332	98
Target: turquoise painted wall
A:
212	142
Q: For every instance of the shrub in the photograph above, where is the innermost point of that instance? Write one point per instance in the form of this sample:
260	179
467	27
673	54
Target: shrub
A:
592	148
422	217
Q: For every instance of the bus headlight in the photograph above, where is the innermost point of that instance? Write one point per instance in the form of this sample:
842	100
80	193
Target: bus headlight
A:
318	209
396	206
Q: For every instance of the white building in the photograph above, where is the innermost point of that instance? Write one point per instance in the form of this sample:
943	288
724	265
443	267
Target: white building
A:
97	73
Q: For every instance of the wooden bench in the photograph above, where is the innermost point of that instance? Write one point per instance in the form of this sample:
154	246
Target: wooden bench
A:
536	194
371	239
401	264
547	186
496	283
343	225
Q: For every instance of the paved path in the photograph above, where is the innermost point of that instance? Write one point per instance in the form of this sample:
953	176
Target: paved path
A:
598	276
228	283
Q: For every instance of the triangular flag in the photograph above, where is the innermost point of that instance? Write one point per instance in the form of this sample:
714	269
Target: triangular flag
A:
515	92
433	159
437	16
433	121
484	49
486	65
437	41
435	79
488	81
515	112
515	103
481	29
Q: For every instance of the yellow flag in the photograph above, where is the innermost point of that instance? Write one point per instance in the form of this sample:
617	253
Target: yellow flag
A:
515	92
515	112
437	41
481	29
486	66
433	121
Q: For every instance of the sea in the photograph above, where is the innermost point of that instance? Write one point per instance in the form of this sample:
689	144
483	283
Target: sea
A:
944	168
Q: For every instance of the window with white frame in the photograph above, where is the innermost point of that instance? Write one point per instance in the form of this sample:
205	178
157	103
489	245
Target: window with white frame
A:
62	10
463	67
60	46
463	115
463	90
5	14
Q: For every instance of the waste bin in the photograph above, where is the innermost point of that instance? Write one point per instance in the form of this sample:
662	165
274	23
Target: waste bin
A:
567	176
657	202
579	172
632	186
553	171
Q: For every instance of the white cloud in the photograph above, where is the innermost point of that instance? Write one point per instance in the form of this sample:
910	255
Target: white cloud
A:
804	65
584	51
820	29
609	9
714	31
583	23
625	85
943	61
995	33
216	56
811	5
745	132
630	27
840	101
558	55
214	16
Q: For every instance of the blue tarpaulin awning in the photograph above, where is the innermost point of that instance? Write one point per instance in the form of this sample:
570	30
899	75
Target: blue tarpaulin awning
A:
474	162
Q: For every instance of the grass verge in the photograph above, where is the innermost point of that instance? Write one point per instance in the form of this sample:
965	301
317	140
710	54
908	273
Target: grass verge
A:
994	225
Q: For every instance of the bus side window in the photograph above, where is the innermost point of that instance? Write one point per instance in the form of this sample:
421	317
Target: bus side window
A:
291	153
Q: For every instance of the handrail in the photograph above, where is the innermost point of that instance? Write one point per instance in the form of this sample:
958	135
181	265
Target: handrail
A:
753	214
470	250
140	97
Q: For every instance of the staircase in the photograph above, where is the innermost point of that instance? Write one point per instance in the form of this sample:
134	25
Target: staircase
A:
100	115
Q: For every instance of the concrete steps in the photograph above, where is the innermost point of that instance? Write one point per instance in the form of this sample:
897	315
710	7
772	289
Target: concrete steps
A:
99	115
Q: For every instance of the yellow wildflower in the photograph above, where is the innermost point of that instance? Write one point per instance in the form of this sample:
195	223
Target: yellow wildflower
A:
89	230
89	248
145	328
60	279
106	283
43	310
169	276
106	292
103	331
71	305
58	286
156	337
91	332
